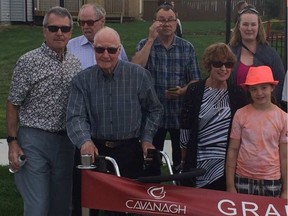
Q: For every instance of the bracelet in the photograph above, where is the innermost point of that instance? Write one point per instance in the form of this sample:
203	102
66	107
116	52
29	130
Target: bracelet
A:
10	139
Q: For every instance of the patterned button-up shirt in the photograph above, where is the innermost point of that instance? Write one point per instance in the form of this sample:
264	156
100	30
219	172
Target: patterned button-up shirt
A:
117	107
175	66
40	87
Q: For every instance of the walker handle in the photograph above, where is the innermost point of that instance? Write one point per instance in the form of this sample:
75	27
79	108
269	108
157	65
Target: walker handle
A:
192	173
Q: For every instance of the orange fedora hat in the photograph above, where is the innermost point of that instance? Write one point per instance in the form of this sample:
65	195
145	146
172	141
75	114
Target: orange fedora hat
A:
259	75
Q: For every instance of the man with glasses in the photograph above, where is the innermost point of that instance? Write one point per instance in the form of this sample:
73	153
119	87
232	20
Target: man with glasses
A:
178	30
113	109
38	99
173	65
91	19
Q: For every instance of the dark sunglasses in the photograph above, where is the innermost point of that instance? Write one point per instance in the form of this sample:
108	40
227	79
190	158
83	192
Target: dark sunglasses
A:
64	29
110	50
218	64
248	8
88	22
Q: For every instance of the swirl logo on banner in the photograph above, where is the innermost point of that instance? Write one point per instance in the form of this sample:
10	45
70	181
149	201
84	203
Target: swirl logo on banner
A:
156	192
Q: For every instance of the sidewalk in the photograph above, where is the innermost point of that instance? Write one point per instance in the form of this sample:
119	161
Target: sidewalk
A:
4	151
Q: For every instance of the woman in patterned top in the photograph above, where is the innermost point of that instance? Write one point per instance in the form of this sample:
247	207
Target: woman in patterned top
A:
207	111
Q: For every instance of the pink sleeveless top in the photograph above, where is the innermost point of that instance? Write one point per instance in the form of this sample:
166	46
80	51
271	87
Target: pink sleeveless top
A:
241	73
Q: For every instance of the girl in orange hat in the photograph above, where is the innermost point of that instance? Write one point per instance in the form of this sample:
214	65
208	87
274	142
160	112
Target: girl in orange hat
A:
257	154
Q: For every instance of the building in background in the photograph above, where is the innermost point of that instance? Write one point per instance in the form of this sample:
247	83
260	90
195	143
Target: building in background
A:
16	11
33	11
121	10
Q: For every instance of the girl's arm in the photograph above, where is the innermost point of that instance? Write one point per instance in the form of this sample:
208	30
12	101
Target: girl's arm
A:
231	160
283	169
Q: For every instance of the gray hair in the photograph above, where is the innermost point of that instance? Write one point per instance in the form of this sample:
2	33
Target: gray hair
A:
58	11
110	30
98	10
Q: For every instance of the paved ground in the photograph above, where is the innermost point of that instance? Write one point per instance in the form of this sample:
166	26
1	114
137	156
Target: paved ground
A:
4	151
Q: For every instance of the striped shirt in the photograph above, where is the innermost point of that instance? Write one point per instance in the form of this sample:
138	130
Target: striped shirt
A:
117	107
214	122
175	66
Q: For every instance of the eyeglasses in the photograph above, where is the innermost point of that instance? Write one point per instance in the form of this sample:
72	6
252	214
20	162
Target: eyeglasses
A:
218	64
110	50
64	29
164	21
248	8
88	22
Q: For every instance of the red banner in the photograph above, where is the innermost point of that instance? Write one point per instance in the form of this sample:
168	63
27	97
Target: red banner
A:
109	192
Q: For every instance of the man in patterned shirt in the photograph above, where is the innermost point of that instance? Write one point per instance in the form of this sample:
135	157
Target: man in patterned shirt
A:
38	97
113	109
173	65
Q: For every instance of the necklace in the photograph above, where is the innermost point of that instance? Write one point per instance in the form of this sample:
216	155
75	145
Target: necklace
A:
245	47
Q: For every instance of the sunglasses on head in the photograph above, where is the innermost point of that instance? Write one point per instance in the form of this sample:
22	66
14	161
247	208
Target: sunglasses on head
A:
248	8
88	22
167	3
218	64
64	29
110	50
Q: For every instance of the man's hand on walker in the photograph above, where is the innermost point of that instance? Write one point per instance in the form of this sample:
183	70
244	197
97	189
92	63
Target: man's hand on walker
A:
89	148
147	145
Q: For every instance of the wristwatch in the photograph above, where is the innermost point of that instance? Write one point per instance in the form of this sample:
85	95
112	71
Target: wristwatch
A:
10	139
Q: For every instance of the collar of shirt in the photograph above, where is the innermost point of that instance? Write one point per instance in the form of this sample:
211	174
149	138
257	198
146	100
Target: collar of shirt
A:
158	42
52	53
115	74
84	41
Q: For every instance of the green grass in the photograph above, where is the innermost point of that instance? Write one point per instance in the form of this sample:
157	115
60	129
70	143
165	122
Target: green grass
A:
15	40
11	202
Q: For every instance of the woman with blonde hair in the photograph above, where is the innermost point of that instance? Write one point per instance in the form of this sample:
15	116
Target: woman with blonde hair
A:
248	42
